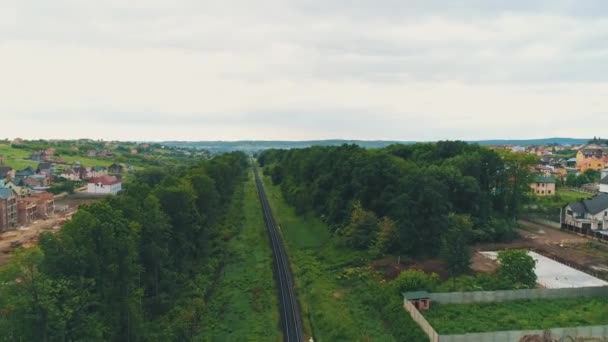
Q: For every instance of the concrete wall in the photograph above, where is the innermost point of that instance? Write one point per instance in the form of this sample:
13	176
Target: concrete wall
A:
422	322
557	334
508	295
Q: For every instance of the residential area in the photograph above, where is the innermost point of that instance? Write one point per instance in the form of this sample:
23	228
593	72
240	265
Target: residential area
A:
40	188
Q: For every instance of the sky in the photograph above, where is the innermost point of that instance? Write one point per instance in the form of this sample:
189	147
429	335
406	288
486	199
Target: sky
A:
303	69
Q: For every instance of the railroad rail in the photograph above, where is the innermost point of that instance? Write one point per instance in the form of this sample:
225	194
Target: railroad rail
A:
291	321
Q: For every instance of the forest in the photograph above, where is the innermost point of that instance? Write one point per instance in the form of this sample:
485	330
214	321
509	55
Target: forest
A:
135	267
400	198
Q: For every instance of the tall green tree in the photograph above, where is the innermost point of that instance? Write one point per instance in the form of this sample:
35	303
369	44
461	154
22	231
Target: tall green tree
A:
362	228
455	248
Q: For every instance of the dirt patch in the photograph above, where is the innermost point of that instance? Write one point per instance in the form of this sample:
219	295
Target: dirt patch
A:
571	249
480	263
27	237
390	267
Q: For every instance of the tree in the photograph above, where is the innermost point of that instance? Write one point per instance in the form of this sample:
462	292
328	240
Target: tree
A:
517	268
415	280
387	239
454	244
362	228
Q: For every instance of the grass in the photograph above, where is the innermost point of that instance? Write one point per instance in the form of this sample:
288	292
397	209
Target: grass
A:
334	309
561	198
244	306
517	315
16	158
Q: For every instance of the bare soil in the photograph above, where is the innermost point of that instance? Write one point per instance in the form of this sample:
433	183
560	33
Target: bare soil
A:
571	249
27	237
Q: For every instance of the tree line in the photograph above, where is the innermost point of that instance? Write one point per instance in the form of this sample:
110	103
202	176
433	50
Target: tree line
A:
405	199
134	267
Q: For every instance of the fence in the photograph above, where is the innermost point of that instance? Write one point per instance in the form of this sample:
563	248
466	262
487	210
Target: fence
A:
422	322
555	334
508	295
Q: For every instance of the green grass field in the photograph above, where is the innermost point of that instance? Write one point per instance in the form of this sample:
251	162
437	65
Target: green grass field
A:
335	310
561	198
517	315
244	306
15	157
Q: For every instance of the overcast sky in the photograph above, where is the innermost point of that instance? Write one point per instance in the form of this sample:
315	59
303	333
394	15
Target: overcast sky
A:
303	69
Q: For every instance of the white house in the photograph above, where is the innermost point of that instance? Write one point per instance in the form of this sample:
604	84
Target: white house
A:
70	174
104	185
586	216
604	181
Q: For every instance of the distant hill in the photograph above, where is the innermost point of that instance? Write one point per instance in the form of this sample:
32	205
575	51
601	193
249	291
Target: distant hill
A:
254	146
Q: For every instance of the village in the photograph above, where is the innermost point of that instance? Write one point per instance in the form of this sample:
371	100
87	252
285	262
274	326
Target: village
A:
41	198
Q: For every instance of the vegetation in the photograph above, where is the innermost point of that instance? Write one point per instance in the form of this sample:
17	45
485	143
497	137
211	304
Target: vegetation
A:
244	305
416	186
517	315
589	176
517	267
138	266
341	299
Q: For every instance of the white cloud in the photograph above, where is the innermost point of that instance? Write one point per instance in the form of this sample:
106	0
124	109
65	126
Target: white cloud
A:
301	69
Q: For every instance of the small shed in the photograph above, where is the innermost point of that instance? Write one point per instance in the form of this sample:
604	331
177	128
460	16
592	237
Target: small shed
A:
420	299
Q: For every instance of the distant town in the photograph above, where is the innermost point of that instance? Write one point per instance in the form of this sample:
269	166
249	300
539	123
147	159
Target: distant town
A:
43	182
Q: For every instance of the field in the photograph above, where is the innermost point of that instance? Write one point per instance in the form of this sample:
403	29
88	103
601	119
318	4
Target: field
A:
335	309
15	157
517	315
245	304
561	198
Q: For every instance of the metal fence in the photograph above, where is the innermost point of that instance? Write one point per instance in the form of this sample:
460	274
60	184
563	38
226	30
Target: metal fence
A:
508	295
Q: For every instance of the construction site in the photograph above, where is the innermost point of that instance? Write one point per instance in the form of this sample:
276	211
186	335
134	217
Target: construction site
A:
26	236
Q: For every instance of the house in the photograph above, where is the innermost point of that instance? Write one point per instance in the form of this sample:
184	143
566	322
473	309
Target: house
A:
543	185
586	216
98	171
104	185
7	172
20	190
92	153
420	299
591	157
83	172
45	204
27	172
116	168
70	174
45	166
26	212
8	209
604	181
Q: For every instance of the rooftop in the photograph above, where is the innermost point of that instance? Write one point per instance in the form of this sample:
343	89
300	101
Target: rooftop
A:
592	205
416	295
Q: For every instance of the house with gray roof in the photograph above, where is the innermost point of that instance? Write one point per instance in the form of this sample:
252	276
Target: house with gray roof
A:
586	216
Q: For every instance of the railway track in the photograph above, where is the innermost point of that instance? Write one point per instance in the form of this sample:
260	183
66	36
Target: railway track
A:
291	321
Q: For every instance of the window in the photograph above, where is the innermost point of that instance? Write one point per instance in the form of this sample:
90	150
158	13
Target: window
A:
549	192
542	192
